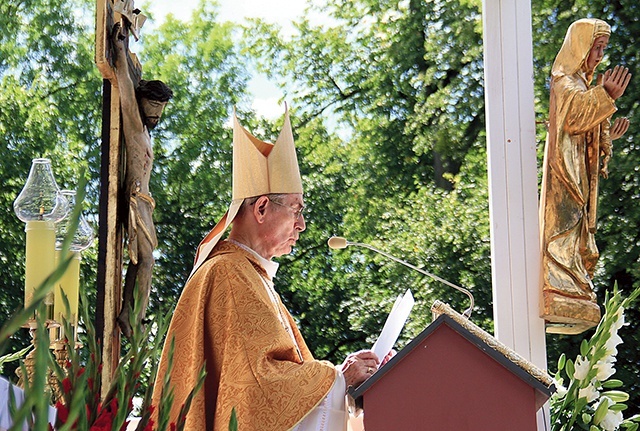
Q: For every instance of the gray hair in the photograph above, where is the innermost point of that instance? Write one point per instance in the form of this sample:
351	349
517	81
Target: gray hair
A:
278	197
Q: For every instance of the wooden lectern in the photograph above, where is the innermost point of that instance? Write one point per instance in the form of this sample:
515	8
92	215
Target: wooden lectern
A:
454	377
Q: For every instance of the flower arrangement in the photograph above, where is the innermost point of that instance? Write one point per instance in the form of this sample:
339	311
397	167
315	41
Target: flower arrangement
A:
71	379
587	398
73	385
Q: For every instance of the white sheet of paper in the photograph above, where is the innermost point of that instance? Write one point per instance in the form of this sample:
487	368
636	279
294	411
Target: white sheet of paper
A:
394	324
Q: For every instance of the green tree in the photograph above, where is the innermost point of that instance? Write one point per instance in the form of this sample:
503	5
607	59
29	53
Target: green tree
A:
391	74
49	107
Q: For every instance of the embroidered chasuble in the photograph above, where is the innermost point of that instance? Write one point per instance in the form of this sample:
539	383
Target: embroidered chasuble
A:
257	361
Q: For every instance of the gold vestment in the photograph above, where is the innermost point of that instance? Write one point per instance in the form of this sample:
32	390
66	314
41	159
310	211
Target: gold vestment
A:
226	317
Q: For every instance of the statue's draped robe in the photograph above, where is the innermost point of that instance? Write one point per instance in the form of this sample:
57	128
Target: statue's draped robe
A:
226	317
578	133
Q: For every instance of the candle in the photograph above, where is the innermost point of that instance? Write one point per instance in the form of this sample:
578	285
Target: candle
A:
69	283
40	255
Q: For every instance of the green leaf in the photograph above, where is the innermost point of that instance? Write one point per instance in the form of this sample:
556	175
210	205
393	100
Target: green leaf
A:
14	356
570	369
233	422
619	407
601	412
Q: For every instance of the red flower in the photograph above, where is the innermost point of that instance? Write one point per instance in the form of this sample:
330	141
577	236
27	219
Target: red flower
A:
149	426
63	413
172	426
105	418
66	385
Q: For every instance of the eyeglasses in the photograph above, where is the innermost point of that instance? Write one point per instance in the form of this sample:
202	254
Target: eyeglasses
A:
297	212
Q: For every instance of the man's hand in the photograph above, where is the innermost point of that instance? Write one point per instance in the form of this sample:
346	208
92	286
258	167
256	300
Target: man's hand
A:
387	358
359	366
616	81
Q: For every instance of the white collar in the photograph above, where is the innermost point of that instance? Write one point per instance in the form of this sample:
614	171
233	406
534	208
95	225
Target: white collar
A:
269	266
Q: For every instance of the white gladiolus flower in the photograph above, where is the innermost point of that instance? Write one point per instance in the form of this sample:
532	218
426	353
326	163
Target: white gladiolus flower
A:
582	368
612	420
612	343
560	389
605	369
619	322
590	393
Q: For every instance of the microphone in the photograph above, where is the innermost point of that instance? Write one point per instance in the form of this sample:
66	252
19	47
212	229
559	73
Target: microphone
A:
338	243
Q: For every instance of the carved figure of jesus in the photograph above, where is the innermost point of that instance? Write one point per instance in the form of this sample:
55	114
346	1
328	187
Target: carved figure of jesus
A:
142	107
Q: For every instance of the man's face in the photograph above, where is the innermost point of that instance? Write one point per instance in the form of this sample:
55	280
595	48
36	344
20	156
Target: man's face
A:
152	110
285	222
597	52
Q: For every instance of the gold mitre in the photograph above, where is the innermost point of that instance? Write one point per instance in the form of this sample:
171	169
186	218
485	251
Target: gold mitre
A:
259	168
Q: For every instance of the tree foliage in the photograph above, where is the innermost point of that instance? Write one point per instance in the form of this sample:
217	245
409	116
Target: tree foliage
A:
192	145
49	107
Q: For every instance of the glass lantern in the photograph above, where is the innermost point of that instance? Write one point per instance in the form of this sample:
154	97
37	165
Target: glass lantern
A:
40	205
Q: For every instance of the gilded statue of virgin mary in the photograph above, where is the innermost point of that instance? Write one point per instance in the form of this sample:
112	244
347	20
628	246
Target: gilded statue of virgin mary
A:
577	152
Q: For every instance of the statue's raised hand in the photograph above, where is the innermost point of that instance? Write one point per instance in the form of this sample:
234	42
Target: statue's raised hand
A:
619	128
616	81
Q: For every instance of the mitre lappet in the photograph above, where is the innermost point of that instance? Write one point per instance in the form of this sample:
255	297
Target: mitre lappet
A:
259	168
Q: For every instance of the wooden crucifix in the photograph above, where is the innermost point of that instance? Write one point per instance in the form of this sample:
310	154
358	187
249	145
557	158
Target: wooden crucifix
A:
127	157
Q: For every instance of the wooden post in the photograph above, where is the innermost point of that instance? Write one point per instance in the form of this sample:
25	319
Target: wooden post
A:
110	236
110	244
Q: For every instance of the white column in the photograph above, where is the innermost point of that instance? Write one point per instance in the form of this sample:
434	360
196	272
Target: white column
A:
513	190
